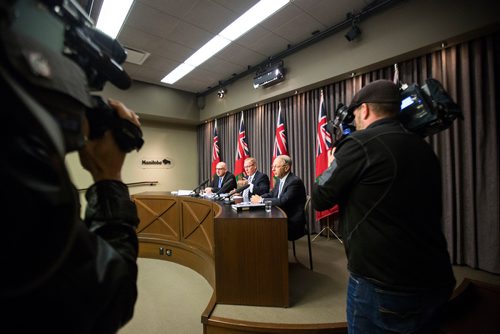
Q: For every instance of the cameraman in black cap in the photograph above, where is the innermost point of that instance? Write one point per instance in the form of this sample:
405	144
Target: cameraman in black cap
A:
60	274
387	182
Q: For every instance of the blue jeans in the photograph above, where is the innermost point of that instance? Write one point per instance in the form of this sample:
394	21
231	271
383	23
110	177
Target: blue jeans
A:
372	309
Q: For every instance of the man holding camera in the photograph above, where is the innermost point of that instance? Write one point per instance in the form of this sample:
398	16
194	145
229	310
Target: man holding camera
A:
387	182
61	274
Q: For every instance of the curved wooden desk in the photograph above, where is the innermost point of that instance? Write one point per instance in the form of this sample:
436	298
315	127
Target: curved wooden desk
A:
243	255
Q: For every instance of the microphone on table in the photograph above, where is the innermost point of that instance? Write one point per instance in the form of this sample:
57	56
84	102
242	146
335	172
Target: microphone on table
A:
231	193
239	190
197	189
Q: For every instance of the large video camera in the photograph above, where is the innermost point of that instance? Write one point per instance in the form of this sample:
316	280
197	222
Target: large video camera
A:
425	110
60	28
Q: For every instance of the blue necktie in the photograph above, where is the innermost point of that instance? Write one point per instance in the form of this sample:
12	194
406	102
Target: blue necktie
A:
247	190
280	188
220	182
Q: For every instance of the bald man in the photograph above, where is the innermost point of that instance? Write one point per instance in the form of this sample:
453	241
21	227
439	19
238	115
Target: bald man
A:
223	180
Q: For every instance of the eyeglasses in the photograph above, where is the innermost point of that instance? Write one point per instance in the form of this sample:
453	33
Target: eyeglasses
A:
248	166
276	167
220	168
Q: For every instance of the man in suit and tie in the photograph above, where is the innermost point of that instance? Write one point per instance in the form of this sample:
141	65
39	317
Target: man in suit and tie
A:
223	181
258	182
289	194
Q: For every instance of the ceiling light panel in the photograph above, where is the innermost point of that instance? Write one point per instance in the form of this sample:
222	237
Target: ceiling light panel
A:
112	16
255	15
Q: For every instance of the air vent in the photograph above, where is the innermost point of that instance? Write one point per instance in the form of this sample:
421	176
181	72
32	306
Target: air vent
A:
136	56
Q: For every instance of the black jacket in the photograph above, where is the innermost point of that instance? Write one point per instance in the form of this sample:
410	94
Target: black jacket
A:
292	201
228	183
260	183
387	182
60	274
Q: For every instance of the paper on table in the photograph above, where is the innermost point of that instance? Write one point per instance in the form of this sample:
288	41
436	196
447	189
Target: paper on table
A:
181	192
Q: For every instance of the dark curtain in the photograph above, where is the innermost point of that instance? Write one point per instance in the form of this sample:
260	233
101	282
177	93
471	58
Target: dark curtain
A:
468	150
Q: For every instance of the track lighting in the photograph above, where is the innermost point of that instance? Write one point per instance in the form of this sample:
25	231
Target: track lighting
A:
355	32
221	93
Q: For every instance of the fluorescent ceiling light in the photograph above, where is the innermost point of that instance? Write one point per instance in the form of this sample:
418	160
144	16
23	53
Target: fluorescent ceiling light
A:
112	16
207	51
258	13
178	73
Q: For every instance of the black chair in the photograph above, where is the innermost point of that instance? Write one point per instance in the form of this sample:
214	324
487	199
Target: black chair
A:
308	233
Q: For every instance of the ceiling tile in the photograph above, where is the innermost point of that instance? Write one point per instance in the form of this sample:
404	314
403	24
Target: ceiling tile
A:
172	30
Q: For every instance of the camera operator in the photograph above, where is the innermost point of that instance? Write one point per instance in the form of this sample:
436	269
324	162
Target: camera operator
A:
60	274
387	182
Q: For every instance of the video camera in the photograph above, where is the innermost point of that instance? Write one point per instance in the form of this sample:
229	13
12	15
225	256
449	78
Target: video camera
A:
425	110
56	29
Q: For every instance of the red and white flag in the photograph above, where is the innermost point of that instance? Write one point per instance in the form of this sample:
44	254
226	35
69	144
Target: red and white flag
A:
242	151
280	143
215	149
324	145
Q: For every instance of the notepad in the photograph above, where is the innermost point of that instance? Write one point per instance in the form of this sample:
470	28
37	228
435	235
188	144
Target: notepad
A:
247	206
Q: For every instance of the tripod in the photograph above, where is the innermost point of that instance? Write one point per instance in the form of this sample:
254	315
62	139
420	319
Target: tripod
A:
328	230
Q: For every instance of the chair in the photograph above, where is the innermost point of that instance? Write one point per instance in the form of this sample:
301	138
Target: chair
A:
308	233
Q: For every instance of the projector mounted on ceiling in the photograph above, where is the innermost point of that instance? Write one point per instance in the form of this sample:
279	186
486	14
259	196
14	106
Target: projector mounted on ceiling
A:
270	75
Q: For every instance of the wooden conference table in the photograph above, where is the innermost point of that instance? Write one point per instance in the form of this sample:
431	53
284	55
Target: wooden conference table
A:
243	255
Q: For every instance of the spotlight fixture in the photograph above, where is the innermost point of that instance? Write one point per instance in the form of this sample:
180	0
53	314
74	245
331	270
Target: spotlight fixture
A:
355	31
269	75
221	93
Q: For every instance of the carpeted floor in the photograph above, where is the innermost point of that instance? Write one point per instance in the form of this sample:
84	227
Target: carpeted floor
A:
316	296
163	309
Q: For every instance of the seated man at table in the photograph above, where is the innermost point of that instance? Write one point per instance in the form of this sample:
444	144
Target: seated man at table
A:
222	182
289	194
258	182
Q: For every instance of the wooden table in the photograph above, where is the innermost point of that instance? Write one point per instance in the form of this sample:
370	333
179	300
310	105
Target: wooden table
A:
243	255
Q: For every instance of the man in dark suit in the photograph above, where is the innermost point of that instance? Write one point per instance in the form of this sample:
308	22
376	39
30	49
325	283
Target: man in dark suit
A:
258	182
223	181
289	194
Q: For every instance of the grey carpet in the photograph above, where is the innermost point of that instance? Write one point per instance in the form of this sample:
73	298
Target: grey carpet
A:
172	297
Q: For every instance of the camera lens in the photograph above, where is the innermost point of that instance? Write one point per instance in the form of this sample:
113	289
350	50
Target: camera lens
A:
344	114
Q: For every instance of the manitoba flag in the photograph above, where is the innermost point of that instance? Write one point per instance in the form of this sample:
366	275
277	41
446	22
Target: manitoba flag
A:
280	144
242	151
323	147
215	149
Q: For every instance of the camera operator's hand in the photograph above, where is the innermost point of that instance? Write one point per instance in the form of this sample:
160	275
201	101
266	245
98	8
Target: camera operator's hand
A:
102	157
331	156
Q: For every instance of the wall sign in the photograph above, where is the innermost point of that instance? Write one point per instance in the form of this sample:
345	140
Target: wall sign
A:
156	162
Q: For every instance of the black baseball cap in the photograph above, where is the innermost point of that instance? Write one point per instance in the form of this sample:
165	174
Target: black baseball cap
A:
379	91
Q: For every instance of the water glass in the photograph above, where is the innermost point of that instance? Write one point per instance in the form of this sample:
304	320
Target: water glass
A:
268	204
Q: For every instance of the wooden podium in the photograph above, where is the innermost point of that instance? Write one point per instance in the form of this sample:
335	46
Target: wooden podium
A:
243	255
